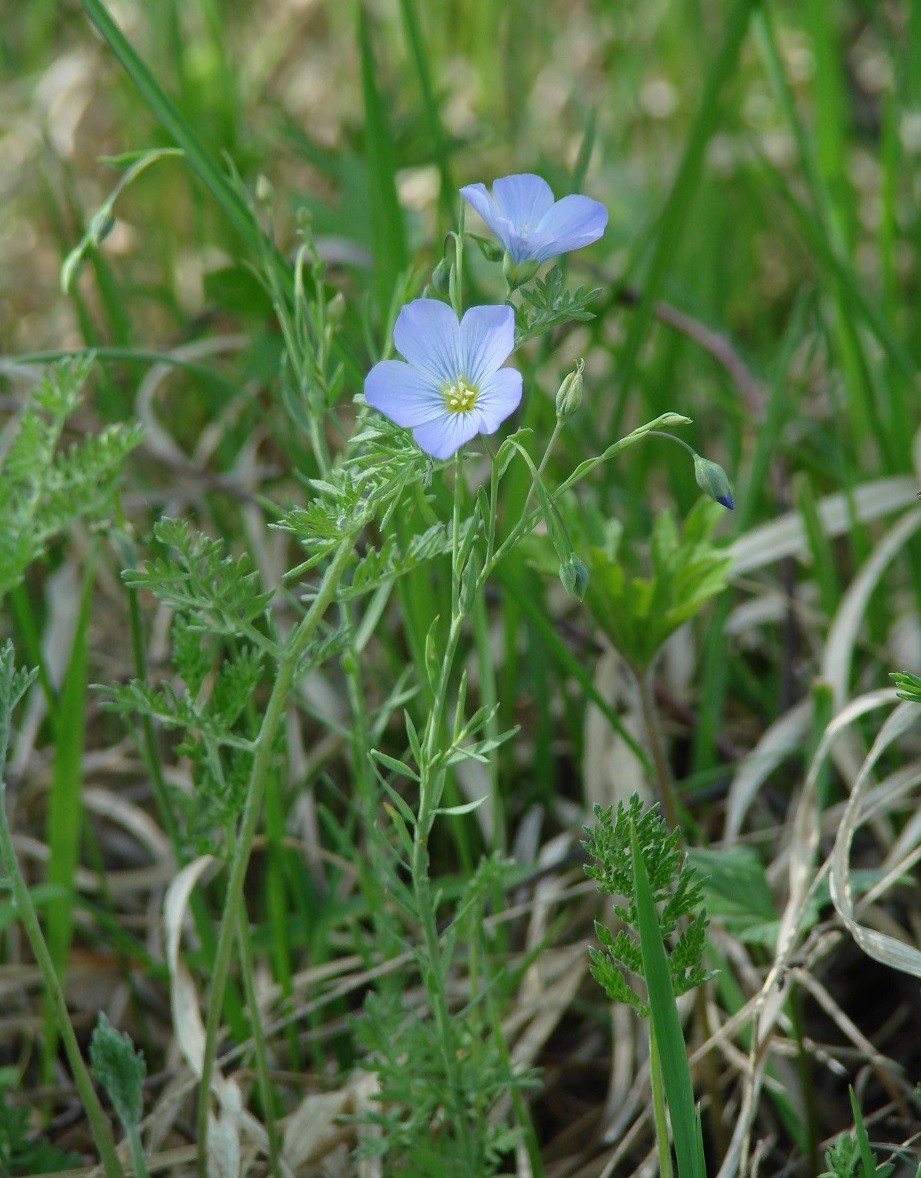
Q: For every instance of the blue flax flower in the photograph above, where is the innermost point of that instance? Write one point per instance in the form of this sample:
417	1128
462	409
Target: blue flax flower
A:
452	385
532	226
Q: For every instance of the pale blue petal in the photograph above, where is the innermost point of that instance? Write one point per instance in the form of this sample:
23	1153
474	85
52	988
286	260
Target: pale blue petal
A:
443	437
499	397
571	223
520	246
427	334
522	199
536	245
487	337
478	198
403	393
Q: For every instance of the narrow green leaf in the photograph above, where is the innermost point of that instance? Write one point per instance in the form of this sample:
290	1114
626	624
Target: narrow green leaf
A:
224	192
439	139
675	215
463	808
676	1073
388	234
65	804
395	764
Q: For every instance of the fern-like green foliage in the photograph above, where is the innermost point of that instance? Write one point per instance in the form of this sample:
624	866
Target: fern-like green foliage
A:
45	486
844	1159
13	686
23	1153
380	463
402	1048
638	614
553	305
221	594
211	705
223	641
675	889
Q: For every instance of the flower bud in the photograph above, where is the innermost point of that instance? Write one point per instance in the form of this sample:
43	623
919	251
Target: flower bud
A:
102	225
441	277
335	308
569	396
518	273
490	251
574	575
265	193
712	480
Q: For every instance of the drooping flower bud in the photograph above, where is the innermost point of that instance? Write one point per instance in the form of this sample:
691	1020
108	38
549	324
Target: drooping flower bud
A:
102	224
712	480
574	575
490	251
569	395
441	277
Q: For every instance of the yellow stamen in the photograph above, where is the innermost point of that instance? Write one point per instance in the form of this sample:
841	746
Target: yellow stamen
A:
460	397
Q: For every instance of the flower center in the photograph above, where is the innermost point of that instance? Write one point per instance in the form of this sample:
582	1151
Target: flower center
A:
461	396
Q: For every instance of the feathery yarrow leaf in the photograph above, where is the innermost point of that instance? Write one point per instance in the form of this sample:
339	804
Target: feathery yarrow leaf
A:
676	890
222	590
44	489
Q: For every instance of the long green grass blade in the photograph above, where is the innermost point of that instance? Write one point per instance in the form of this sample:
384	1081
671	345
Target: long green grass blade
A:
669	1037
202	162
439	139
388	234
65	804
674	219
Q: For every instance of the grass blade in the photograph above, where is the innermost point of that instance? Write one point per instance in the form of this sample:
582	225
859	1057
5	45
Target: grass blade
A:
224	192
388	234
677	209
668	1035
65	805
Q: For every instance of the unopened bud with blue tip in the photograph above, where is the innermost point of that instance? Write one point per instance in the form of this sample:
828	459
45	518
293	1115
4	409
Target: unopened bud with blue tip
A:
712	480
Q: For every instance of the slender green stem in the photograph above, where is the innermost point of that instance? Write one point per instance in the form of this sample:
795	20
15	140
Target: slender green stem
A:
137	1151
457	287
557	430
455	530
430	790
101	1130
233	904
370	869
529	518
661	433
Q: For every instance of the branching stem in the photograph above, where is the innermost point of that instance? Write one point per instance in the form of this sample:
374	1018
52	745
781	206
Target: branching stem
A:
234	911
